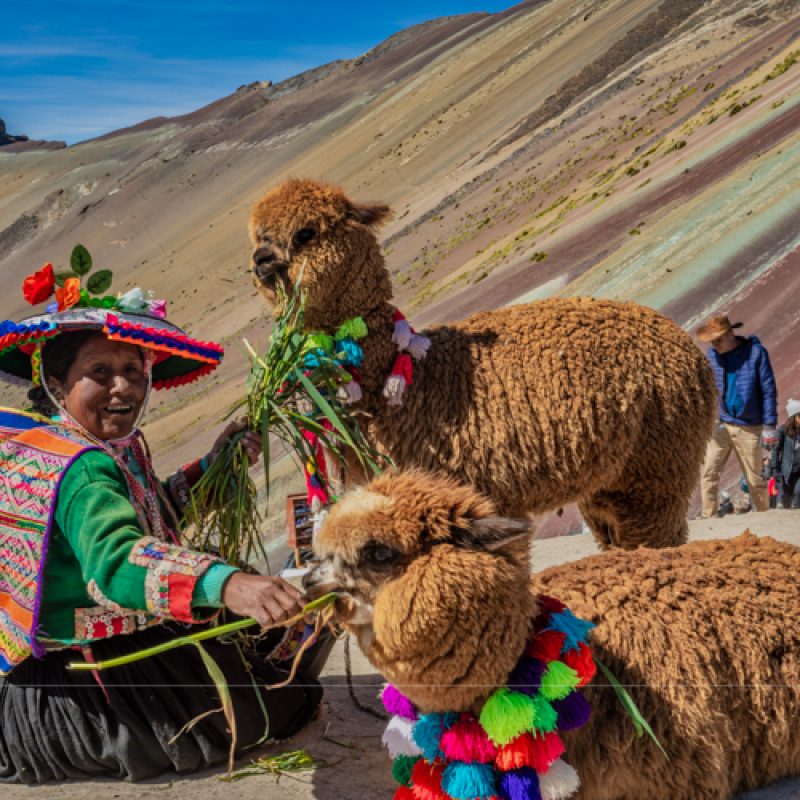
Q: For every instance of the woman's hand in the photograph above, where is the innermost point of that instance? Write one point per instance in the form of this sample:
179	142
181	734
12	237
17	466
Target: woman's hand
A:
268	599
251	440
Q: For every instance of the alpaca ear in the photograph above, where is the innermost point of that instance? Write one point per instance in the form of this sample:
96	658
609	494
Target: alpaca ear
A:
492	533
369	214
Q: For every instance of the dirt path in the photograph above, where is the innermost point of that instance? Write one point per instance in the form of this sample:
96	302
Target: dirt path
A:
348	740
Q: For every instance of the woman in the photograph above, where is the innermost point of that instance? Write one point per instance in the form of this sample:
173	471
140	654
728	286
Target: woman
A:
91	566
785	458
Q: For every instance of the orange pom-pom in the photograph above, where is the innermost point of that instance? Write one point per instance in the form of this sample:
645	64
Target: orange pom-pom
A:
426	781
582	662
547	645
517	753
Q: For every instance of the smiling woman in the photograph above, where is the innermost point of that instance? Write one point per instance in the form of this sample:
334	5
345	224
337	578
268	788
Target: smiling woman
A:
91	557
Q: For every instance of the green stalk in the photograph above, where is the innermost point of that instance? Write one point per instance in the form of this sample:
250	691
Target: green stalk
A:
194	638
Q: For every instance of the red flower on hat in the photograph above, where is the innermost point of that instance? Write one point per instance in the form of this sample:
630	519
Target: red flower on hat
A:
38	287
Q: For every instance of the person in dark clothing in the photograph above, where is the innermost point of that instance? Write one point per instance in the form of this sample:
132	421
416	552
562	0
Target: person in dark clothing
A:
785	458
747	410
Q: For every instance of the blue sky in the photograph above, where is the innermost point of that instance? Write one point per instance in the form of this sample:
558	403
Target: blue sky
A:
78	68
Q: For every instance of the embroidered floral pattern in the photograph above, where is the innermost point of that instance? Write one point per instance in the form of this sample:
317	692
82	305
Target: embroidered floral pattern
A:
101	623
171	575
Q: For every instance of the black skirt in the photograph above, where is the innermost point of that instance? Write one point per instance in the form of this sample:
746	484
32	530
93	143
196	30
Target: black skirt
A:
57	725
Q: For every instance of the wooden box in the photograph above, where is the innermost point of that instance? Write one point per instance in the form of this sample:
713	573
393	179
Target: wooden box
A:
299	524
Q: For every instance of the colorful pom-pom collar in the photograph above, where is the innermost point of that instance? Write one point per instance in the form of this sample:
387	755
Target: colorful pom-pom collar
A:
513	749
179	358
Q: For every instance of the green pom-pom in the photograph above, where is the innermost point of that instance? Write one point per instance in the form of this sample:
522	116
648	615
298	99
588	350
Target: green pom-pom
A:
506	715
558	681
545	717
355	328
402	767
320	341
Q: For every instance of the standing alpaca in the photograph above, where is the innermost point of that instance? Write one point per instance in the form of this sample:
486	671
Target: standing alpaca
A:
706	636
605	403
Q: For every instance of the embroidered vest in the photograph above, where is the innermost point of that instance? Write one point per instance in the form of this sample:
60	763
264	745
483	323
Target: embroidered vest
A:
34	455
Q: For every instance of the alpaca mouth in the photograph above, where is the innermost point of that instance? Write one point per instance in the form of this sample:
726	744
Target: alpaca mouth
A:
270	274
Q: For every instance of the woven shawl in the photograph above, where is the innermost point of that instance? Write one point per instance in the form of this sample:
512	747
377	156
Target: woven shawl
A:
34	455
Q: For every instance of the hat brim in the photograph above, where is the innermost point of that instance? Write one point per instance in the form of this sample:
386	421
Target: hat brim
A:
179	358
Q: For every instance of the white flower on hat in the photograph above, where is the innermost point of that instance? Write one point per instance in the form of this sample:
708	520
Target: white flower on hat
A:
133	300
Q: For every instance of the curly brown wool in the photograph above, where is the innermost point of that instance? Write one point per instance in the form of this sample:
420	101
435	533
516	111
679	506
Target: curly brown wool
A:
604	403
706	636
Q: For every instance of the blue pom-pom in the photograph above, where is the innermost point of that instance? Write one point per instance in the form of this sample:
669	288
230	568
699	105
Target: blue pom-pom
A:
520	784
7	326
349	352
526	677
468	781
428	733
312	358
573	711
575	629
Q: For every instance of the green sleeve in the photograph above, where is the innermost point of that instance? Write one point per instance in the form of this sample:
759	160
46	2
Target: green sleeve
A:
120	564
208	591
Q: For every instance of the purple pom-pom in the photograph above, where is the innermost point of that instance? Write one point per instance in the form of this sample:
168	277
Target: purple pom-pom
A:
526	677
573	711
520	784
397	703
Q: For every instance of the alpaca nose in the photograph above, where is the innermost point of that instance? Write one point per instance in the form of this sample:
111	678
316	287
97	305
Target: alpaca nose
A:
263	259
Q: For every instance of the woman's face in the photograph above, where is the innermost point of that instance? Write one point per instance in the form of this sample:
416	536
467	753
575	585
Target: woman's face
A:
105	387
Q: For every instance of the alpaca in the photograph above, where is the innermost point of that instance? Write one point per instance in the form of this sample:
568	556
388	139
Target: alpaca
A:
438	593
605	403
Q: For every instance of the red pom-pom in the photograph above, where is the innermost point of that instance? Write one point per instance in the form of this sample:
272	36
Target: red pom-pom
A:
547	748
582	662
516	754
547	645
467	741
403	793
550	604
426	781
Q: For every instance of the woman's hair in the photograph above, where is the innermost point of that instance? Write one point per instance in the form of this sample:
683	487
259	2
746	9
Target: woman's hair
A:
58	355
791	428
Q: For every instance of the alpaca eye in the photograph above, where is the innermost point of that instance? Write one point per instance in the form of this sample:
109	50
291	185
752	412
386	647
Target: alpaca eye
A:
303	236
379	555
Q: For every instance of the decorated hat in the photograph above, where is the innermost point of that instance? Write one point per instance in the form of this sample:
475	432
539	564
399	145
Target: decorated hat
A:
714	327
134	318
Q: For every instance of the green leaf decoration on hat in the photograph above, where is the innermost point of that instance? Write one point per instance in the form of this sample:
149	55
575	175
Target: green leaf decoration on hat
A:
100	281
80	260
62	275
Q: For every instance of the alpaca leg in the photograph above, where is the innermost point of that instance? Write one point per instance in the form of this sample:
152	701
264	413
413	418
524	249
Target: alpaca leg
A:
636	517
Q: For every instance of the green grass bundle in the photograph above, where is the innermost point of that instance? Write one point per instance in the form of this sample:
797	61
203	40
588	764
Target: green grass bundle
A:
297	404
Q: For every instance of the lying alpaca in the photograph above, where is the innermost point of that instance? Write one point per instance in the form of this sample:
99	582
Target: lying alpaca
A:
605	403
437	592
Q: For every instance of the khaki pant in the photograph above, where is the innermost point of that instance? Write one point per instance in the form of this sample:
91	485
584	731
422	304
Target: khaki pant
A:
745	441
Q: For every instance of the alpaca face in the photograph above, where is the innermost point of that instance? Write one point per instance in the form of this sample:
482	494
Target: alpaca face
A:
428	578
312	233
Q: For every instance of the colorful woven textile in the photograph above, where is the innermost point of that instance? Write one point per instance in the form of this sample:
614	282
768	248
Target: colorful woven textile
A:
33	457
512	750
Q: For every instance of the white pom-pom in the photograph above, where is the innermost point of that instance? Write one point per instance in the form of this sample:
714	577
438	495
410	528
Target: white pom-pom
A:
316	505
402	334
349	393
559	782
398	738
393	389
316	521
418	346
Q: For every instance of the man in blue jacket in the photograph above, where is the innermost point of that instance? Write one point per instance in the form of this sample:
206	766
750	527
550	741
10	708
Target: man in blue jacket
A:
747	410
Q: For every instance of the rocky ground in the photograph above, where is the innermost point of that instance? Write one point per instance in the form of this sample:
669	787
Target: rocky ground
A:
347	741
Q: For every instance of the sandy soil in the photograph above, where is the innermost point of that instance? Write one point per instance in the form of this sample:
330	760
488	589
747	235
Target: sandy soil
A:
348	740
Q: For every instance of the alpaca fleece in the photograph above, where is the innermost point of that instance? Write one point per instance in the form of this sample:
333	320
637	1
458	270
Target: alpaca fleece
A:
605	403
706	636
